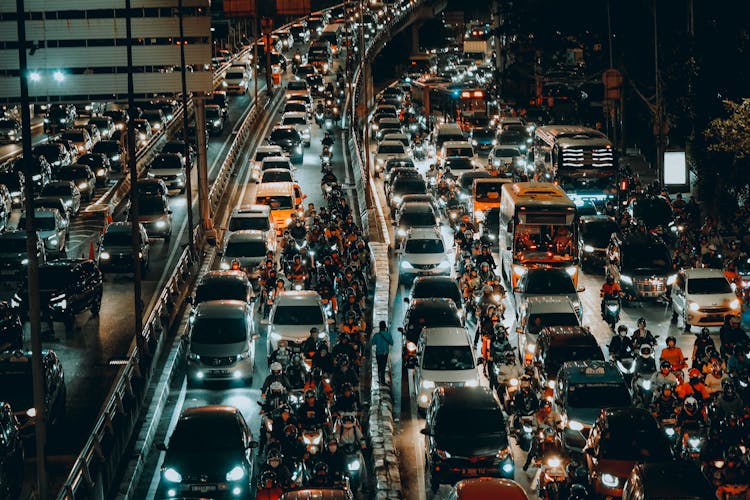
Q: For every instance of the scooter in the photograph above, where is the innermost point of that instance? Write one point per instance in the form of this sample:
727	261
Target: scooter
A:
643	392
525	431
551	476
611	312
356	469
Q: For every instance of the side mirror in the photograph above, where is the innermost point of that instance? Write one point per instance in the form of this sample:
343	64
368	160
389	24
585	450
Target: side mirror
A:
255	337
426	431
169	212
516	289
481	360
160	445
508	248
400	329
519	330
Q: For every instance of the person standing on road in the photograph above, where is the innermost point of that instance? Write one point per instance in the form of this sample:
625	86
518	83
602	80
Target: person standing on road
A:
383	342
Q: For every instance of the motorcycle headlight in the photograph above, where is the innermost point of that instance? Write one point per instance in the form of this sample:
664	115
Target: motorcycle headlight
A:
401	232
610	481
671	279
575	425
626	279
172	475
237	473
735	304
513	382
24	262
115	157
36	177
669	431
527	429
588	248
531	348
355	465
694	442
613	308
104	256
646	384
553	462
217	123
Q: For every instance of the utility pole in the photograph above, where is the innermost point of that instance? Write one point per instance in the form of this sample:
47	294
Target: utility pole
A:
267	49
40	424
609	33
364	76
136	234
256	66
186	153
659	111
200	130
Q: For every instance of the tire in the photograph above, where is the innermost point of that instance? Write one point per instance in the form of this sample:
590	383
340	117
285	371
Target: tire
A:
686	328
96	306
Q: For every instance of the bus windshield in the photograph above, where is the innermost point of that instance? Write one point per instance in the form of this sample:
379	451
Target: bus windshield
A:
544	243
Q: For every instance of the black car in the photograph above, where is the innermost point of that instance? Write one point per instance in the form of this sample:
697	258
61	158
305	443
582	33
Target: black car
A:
81	176
11	453
112	150
59	117
10	130
14	181
558	344
465	436
119	116
16	387
426	313
99	164
67	287
52	202
209	454
654	211
436	287
594	235
215	119
11	328
641	263
116	248
220	98
41	171
670	480
290	141
13	254
490	227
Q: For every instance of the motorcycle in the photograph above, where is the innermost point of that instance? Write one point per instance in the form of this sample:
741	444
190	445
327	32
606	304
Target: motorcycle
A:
319	114
312	437
329	120
505	391
611	312
692	445
326	154
356	469
524	431
643	392
668	425
419	150
551	476
626	366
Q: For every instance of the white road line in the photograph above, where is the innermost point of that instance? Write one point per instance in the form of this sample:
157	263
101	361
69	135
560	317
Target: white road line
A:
156	477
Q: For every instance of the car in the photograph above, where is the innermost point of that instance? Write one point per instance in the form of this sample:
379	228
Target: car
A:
51	228
387	125
422	253
105	124
418	198
80	138
155	118
54	202
112	150
116	249
290	141
152	187
594	235
300	122
59	116
223	285
483	139
41	171
67	192
143	132
215	119
94	133
99	165
298	88
236	80
654	211
14	256
434	287
582	389
316	85
10	131
458	165
246	249
156	216
303	71
399	172
402	186
55	154
14	182
465	436
670	480
287	39
621	438
16	388
178	147
540	312
119	117
276	175
546	282
508	160
81	176
703	297
251	216
300	32
426	313
281	198
221	342
262	152
445	359
11	329
416	215
559	344
514	138
293	314
67	288
218	432
11	453
297	107
169	167
397	136
480	488
396	162
641	264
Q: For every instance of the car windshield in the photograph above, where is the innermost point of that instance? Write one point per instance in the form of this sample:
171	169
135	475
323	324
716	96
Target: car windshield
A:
276	176
391	149
488	191
298	315
447	357
460	163
707	286
151	205
559	354
465	152
277	164
276	202
16	388
47	150
235	75
412	186
453	422
245	249
636	444
166	161
152	114
217	330
646	257
511	138
483	133
285	134
40	223
417	218
555	319
202	435
240	223
213	113
598	234
94	160
297	85
99	122
117	239
57	190
598	395
428	289
260	155
424	246
506	153
436	316
54	277
549	283
296	107
221	290
106	147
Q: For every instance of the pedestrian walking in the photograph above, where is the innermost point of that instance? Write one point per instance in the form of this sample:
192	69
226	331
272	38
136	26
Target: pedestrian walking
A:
383	342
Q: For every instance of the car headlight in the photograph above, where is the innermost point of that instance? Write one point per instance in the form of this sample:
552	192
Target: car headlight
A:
116	158
735	304
588	249
172	475
36	177
397	199
401	232
355	465
474	143
101	172
671	279
406	265
428	384
224	266
571	270
24	262
626	279
694	442
224	84
553	462
472	383
531	348
693	306
519	270
157	126
217	123
575	425
52	240
610	481
237	473
160	224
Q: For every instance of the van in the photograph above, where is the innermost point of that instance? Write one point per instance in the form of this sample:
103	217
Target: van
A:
293	315
447	132
281	198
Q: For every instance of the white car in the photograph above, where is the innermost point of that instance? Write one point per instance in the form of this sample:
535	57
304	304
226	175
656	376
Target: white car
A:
445	358
236	80
300	122
423	253
703	297
261	153
292	316
387	150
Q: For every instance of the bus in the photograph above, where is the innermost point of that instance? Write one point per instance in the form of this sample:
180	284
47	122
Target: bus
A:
537	229
422	65
581	159
332	34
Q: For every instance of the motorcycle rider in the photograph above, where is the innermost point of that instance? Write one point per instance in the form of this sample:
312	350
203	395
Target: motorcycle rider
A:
693	387
734	472
549	443
268	487
431	175
738	361
343	349
327	140
728	402
276	375
334	457
494	349
347	401
295	372
645	364
507	369
349	433
664	375
702	341
313	412
690	417
486	256
310	345
343	374
547	417
322	359
525	401
621	346
715	378
292	449
674	355
665	406
642	335
610	290
731	334
486	275
274	464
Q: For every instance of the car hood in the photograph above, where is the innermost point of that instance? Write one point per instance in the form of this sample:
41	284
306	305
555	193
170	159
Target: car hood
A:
469	446
165	171
46	234
449	376
586	416
619	468
572	296
218	350
424	258
119	249
212	465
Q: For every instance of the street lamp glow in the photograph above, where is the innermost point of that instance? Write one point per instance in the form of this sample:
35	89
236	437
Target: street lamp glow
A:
34	76
58	76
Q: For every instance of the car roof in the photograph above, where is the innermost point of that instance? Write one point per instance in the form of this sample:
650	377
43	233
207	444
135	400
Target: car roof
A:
456	144
628	416
467	397
703	273
233	309
294	114
391	143
267	148
424	233
432	303
212	412
247	235
276	159
490	487
11	235
417	207
119	227
223	277
298	297
446	335
593	371
568	334
549	304
252	209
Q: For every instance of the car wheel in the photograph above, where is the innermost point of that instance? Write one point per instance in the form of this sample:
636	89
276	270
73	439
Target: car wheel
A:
687	325
96	307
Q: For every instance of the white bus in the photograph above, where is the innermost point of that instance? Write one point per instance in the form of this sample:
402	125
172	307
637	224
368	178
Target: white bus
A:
537	229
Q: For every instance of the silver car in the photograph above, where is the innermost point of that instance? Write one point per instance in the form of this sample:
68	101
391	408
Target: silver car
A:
52	230
67	192
547	282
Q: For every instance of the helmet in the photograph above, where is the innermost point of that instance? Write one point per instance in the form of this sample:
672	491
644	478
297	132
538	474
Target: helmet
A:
285	408
276	368
290	431
348	418
733	454
704	332
674	340
577	492
728	390
347	387
332	440
690	404
276	387
622	328
320	469
665	364
500	329
487	289
310	393
646	351
273	454
667	387
268	476
694	373
342	359
525	382
610	279
641	322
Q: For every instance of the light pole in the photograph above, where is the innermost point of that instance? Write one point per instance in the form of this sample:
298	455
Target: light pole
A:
33	266
659	111
186	153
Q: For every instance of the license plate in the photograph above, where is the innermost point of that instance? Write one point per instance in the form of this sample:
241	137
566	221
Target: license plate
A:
203	488
478	471
219	372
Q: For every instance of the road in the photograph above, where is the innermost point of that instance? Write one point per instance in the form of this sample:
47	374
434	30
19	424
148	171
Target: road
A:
86	354
245	398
